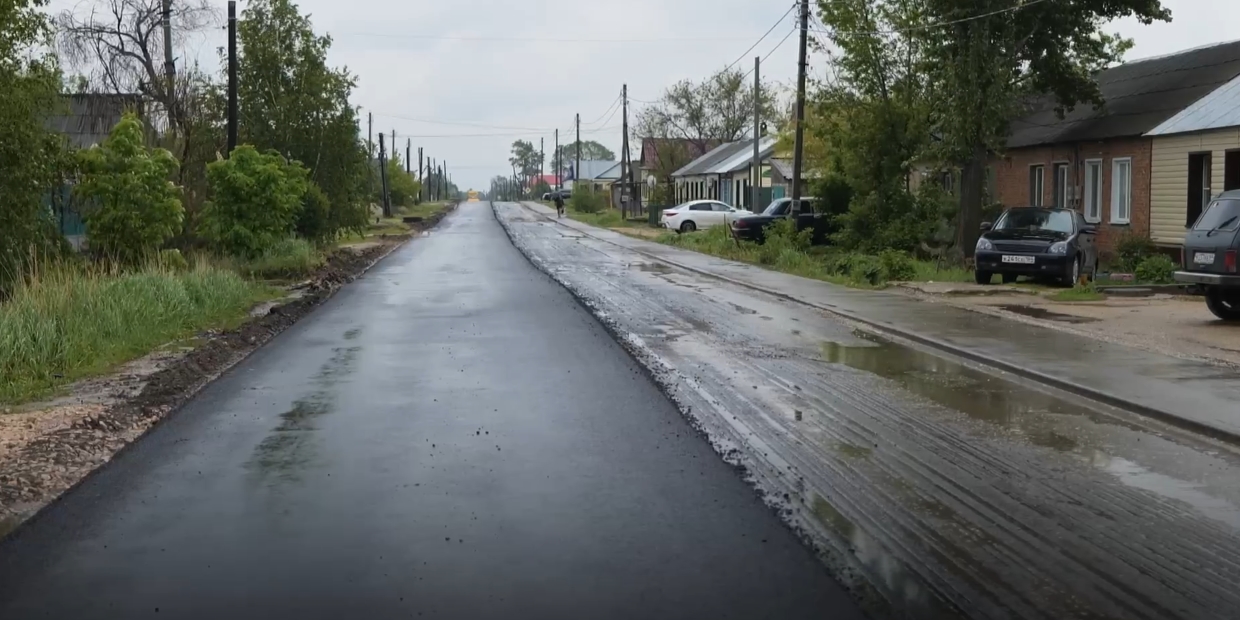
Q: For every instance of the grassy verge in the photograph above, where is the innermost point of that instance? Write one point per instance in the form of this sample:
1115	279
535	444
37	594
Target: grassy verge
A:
288	259
1078	293
818	262
394	225
608	218
73	321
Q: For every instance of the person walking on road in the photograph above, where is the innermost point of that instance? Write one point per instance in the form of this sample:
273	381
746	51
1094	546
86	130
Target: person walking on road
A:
559	204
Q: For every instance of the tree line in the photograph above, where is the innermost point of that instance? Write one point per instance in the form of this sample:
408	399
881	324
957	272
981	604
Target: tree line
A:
163	178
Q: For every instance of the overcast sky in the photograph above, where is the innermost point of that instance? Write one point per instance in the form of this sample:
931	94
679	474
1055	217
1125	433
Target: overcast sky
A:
502	70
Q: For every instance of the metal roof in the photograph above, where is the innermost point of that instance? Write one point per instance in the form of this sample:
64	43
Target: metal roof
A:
1216	110
699	165
1139	95
610	174
724	158
744	158
591	168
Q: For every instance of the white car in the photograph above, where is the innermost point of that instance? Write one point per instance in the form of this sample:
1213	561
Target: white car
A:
700	214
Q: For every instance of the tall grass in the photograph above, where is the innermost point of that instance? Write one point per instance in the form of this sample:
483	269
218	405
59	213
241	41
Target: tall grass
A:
71	321
290	258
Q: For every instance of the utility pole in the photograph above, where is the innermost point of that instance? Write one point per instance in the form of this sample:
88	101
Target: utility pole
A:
409	156
799	146
542	156
755	176
421	184
625	168
444	176
559	173
577	171
387	203
232	76
370	136
170	67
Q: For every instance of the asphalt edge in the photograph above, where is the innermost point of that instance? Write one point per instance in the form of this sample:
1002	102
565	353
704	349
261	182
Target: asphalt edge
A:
817	540
1065	385
185	397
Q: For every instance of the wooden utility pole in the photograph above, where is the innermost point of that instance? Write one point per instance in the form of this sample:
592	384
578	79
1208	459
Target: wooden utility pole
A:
626	188
542	156
798	151
409	156
755	176
421	183
232	76
559	172
170	67
577	171
370	136
387	203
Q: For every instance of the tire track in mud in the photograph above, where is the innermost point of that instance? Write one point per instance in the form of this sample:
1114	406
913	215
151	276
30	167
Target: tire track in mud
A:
931	487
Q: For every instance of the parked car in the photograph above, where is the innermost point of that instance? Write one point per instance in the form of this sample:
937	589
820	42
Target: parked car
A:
546	197
700	214
751	228
1208	260
1040	242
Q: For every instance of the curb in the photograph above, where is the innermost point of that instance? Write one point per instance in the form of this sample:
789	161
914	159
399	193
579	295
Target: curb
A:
1066	385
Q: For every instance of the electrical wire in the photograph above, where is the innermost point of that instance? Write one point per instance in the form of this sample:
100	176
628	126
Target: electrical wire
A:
764	36
615	104
537	39
1023	5
460	123
773	49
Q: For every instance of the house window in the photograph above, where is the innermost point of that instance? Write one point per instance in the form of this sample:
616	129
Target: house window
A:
1037	185
1093	191
1062	198
1121	190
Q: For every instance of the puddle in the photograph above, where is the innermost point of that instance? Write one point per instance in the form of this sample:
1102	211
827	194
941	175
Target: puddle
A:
653	267
1036	417
1043	313
909	593
352	334
743	310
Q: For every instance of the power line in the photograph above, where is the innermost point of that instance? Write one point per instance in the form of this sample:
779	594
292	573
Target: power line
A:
764	36
537	39
460	123
1023	5
777	46
614	104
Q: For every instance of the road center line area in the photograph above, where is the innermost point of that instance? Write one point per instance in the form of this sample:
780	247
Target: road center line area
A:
930	486
450	436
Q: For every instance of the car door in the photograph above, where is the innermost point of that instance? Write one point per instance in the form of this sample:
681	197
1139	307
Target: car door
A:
723	214
702	214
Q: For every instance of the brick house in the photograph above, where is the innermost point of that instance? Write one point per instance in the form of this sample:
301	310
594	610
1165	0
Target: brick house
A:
1099	161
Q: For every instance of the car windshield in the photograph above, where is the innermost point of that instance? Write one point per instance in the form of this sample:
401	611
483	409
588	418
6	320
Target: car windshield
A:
777	208
1036	220
1222	215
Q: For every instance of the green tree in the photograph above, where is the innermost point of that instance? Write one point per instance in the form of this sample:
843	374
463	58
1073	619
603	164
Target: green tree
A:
31	158
256	200
135	207
718	109
590	150
403	188
291	101
991	55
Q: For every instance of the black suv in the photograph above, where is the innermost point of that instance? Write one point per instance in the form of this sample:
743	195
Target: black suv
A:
1039	242
1209	256
752	227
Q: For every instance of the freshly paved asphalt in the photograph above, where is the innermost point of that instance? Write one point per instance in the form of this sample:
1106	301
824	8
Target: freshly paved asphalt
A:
451	436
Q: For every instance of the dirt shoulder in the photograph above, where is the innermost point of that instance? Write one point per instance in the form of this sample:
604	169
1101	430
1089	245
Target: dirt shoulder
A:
1171	325
47	448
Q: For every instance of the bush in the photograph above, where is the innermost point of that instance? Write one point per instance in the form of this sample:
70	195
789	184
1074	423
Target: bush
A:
1131	250
864	269
586	200
173	261
255	203
71	321
893	219
1157	269
897	266
314	216
136	208
289	258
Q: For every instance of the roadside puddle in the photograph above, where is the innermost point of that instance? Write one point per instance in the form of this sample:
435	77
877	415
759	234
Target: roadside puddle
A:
1042	313
1123	450
658	268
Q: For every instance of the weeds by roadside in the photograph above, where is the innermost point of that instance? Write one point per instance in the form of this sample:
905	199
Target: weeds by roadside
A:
70	321
1088	292
291	258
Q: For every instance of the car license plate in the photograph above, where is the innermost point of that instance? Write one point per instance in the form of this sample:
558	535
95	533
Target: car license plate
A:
1203	258
1019	260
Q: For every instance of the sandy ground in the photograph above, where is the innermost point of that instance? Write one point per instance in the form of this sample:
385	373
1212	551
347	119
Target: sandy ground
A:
1177	326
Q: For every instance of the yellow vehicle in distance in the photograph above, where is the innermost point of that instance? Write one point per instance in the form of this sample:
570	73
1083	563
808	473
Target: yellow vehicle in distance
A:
473	195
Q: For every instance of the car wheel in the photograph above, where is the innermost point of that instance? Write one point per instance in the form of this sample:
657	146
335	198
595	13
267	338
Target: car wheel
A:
1074	272
1224	304
1009	278
688	227
983	277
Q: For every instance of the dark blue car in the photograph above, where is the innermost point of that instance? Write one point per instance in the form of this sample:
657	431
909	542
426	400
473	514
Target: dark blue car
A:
1039	242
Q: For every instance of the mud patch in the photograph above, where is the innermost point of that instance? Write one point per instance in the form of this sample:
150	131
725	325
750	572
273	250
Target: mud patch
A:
62	445
1043	313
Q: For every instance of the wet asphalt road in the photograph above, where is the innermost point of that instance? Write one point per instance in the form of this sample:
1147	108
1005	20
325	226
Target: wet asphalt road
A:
451	436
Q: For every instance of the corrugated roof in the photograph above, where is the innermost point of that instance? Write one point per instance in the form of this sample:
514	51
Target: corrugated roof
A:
1139	96
610	174
1216	110
708	162
592	168
744	157
89	118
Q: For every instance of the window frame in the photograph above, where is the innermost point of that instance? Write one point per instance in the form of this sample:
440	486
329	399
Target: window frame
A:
1094	196
1116	193
1037	199
1063	190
